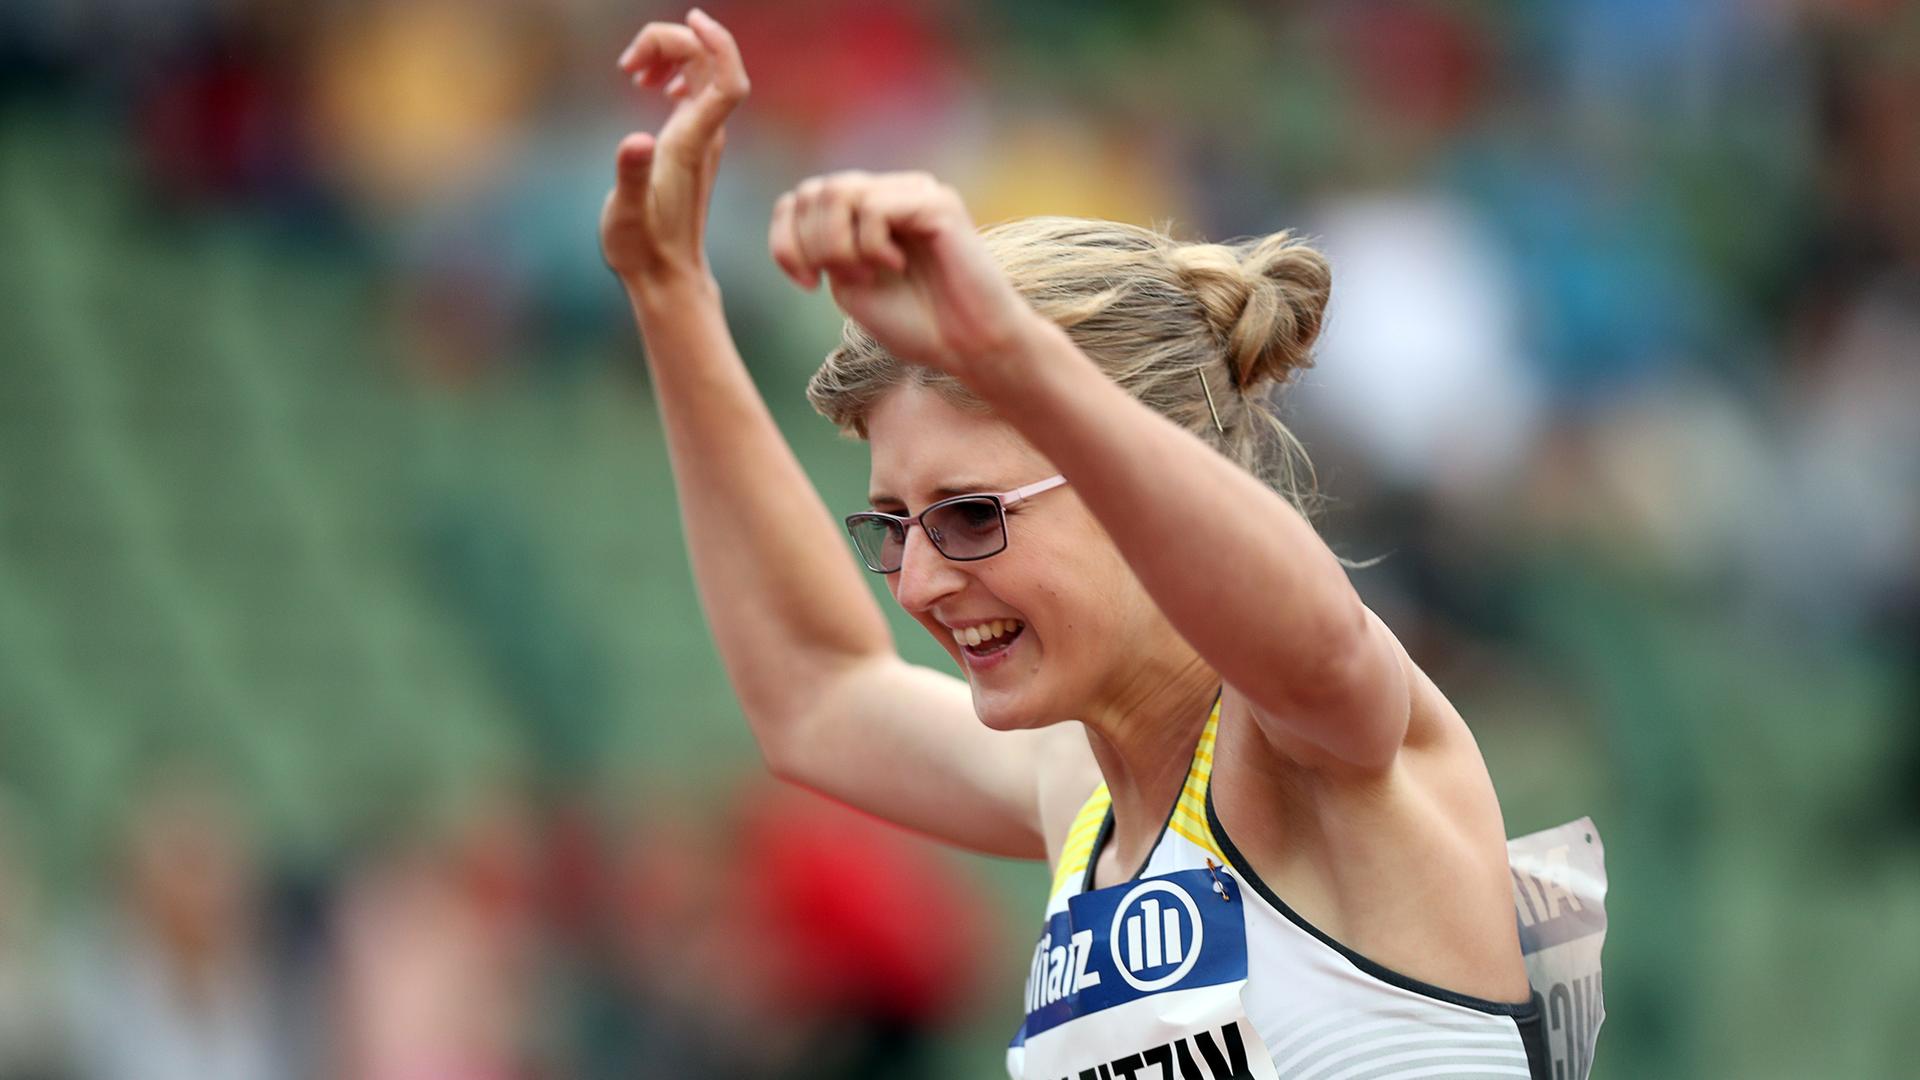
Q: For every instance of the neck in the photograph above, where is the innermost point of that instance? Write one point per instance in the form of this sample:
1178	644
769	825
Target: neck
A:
1144	742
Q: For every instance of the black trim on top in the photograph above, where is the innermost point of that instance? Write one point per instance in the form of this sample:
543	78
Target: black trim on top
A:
1533	1036
1099	841
1519	1011
1106	833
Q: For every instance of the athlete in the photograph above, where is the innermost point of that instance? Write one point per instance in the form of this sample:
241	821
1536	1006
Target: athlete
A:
1276	849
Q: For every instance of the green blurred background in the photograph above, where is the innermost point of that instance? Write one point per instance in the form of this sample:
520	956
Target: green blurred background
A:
357	717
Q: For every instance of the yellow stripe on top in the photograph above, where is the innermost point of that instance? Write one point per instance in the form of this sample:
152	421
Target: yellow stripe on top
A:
1190	813
1080	838
1189	820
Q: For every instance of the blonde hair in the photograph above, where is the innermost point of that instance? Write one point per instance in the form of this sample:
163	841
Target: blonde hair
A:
1172	323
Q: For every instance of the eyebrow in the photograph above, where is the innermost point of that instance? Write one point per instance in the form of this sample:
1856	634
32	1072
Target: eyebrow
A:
939	493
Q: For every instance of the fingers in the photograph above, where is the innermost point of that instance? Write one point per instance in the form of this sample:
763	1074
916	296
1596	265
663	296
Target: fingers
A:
825	223
699	60
784	244
851	224
881	211
720	86
658	51
729	69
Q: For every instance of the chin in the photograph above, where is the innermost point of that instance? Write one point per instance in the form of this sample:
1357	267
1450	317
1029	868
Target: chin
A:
1003	711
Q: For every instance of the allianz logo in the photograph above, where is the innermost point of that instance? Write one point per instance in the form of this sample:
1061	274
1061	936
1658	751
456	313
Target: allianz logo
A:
1156	928
1060	970
1155	939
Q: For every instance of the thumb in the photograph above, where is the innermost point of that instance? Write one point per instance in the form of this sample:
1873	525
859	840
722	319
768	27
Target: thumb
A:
633	162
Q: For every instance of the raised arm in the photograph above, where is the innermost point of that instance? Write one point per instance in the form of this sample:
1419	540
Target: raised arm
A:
807	649
1236	569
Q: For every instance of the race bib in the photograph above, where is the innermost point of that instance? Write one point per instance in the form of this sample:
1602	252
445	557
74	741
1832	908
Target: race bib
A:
1559	889
1139	981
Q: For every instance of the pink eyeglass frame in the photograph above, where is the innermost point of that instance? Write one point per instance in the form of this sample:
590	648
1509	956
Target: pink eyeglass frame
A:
1001	499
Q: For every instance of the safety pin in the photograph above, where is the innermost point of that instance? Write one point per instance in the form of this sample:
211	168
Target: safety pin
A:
1218	885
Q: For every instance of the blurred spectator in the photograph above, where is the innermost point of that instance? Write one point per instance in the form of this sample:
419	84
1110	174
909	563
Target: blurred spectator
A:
218	116
894	65
861	932
434	962
1843	537
175	980
840	943
1421	367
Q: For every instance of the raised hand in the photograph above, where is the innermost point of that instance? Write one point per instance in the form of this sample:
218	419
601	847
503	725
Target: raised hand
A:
903	260
653	225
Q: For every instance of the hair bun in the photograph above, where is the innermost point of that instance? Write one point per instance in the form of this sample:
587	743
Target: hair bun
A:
1266	299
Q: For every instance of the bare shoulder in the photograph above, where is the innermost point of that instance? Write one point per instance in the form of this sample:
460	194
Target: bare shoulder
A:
1441	759
1404	864
1438	749
1437	790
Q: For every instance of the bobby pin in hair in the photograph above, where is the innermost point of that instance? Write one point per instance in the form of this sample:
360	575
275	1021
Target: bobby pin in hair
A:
1207	390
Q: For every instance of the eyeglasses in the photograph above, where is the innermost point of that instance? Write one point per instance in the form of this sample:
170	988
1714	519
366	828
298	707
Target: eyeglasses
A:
963	528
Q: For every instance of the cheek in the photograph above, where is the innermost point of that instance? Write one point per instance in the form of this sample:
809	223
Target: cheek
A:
1069	603
1028	583
1099	613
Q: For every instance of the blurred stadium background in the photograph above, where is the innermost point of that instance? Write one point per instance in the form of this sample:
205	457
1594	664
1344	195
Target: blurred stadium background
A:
356	715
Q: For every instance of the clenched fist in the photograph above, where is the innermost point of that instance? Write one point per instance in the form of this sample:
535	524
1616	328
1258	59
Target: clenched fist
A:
903	260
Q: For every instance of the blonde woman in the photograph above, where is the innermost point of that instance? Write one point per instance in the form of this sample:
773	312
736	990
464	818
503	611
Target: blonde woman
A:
1276	850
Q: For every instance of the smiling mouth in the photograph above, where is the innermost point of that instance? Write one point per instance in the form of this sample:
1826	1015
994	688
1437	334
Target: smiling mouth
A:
989	639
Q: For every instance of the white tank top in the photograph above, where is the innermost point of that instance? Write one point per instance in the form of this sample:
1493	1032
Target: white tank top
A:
1195	970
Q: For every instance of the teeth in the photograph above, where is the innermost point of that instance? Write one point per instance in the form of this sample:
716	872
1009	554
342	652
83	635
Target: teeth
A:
984	632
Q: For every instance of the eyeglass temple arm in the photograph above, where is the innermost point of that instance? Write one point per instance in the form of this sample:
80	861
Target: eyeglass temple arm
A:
1037	487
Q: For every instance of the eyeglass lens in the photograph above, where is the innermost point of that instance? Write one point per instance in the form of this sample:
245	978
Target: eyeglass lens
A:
962	529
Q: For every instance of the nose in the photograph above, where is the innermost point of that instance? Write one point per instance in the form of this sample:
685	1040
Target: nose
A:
926	577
